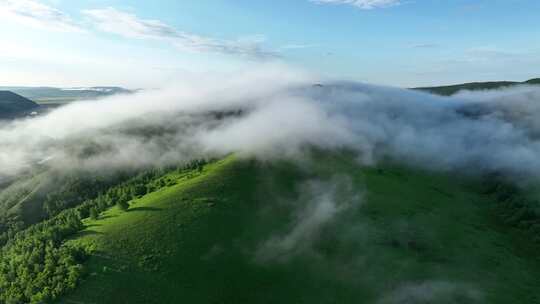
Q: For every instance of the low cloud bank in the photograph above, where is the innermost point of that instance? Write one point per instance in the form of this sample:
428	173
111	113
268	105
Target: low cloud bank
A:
277	112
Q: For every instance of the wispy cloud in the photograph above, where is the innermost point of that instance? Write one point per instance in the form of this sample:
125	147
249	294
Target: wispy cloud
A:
298	46
37	14
362	4
425	46
130	25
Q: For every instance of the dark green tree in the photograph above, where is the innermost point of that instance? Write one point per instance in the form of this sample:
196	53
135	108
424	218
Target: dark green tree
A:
122	204
94	214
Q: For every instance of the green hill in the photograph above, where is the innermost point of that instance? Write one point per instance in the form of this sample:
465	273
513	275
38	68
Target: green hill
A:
13	105
475	86
533	81
242	232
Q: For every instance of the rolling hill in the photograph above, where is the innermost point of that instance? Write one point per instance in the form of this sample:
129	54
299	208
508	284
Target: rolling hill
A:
475	86
52	95
13	105
241	231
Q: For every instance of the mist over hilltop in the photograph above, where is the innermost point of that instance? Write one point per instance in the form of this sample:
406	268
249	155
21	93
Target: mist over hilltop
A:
278	112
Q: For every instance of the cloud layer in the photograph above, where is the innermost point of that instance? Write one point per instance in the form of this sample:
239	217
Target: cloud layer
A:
275	112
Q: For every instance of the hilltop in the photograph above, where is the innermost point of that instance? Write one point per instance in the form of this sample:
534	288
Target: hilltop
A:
13	105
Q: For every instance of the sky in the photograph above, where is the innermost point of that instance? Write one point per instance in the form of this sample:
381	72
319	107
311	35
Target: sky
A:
147	44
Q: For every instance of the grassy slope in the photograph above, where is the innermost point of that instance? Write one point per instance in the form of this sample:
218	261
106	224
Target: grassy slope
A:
194	242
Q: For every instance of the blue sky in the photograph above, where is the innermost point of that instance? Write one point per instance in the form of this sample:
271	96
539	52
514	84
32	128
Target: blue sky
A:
147	43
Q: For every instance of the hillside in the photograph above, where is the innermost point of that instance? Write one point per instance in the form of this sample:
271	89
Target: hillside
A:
242	232
475	86
13	105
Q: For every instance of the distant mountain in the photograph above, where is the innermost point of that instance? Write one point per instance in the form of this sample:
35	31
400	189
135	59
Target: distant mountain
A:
13	105
475	86
533	81
62	95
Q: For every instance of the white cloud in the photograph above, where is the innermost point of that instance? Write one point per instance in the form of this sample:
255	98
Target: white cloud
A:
36	14
277	112
361	4
130	25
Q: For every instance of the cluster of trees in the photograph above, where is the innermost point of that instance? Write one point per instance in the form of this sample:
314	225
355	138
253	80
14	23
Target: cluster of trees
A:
37	265
197	165
79	188
515	208
9	226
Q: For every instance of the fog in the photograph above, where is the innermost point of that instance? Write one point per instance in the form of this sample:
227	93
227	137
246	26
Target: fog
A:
321	203
277	112
433	292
